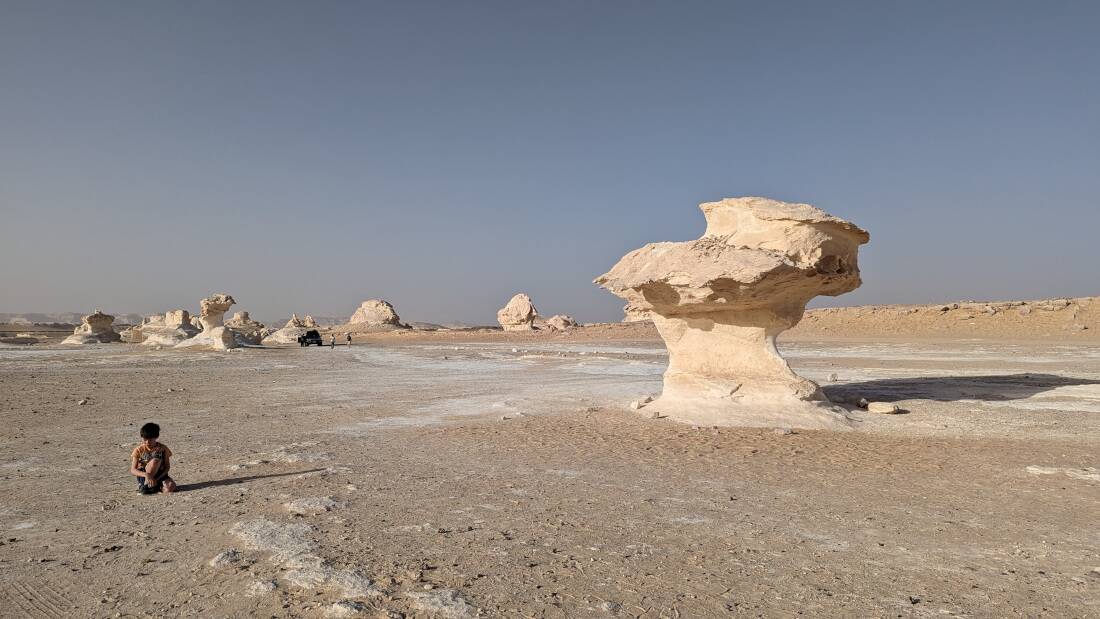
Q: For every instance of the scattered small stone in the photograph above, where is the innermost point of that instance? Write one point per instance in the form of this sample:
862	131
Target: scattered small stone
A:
504	417
346	608
914	599
885	408
635	405
833	378
783	431
654	415
82	402
610	607
226	557
862	403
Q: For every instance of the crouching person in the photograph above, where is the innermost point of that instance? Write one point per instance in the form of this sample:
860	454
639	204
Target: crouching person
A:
151	461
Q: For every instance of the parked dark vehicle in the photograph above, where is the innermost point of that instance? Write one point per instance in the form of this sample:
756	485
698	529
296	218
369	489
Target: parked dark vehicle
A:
310	337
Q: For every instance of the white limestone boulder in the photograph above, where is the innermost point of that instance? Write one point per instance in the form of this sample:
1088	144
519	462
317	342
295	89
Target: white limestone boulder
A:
720	301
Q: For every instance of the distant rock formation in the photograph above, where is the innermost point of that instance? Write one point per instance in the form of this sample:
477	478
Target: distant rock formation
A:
720	301
289	333
560	322
167	330
95	328
376	314
309	323
248	332
518	315
214	333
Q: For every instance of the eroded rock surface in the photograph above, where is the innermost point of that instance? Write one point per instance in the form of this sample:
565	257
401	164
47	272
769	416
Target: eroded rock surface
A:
560	322
518	315
720	301
290	331
167	330
376	314
214	335
95	328
634	313
245	330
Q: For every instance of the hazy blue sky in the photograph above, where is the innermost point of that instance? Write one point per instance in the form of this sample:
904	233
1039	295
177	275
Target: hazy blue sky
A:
445	155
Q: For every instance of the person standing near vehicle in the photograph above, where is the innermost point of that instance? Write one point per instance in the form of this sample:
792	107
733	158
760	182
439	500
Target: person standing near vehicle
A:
332	341
348	338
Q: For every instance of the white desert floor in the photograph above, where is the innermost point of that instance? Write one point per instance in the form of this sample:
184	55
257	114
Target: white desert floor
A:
511	479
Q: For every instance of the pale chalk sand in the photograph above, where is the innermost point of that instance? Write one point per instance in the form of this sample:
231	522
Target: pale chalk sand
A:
383	479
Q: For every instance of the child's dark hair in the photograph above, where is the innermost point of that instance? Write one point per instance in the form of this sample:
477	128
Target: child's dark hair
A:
150	430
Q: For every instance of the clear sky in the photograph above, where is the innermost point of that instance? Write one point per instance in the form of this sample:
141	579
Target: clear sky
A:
305	156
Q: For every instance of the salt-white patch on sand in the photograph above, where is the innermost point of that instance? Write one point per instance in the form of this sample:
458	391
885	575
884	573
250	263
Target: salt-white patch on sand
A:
1049	405
23	525
285	542
312	505
291	548
261	587
446	603
689	520
226	557
1087	473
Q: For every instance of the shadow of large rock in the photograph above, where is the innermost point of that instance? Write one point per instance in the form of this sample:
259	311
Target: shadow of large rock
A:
954	388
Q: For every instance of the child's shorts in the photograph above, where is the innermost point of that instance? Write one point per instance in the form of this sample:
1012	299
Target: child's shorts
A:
160	478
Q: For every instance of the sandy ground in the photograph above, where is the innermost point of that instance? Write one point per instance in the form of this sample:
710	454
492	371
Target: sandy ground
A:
453	475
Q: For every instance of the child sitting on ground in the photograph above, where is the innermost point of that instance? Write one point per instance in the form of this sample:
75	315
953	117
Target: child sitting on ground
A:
150	462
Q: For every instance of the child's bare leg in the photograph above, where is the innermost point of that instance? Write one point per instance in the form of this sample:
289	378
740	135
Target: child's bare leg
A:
151	472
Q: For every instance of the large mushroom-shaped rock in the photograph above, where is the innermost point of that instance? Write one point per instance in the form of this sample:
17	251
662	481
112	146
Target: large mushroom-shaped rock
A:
518	315
289	333
95	328
167	330
214	335
376	314
247	331
720	301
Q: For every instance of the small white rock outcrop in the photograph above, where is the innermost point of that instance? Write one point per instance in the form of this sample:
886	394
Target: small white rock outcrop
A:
95	328
167	330
376	314
247	332
518	315
290	332
560	322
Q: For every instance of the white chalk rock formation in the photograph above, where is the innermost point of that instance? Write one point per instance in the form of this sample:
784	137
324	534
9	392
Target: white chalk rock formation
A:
376	314
248	332
518	315
560	322
214	335
289	333
309	323
720	301
95	328
167	330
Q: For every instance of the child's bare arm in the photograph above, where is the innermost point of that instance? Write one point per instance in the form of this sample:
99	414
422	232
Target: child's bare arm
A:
134	470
